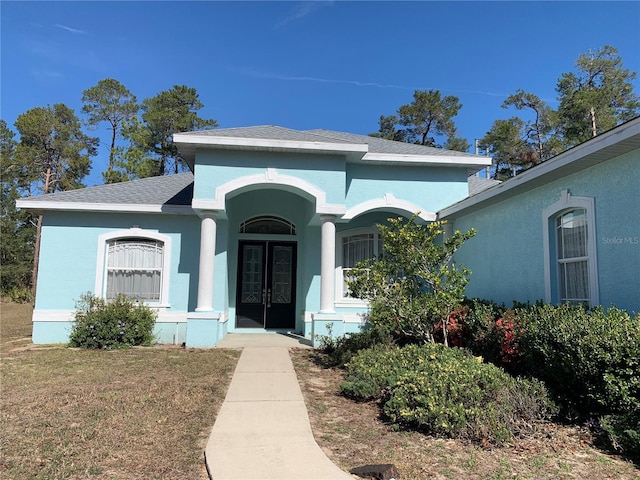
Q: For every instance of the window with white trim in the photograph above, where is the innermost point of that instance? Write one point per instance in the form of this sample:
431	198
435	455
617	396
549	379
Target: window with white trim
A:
356	248
135	268
572	256
134	262
570	263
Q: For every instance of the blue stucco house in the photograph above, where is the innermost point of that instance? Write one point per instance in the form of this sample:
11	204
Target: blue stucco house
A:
262	233
567	230
259	237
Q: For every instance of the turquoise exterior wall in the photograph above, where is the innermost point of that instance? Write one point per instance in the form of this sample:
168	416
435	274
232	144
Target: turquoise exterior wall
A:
214	168
506	255
69	249
430	188
68	261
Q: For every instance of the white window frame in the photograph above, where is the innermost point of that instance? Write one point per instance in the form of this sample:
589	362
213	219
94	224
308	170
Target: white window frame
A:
137	233
341	299
567	203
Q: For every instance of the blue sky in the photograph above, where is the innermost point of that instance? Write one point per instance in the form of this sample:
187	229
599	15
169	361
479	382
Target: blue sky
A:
334	65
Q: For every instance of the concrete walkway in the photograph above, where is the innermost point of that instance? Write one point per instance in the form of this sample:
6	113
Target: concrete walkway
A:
262	430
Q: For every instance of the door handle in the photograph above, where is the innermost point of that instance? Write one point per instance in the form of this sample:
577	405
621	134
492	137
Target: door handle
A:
269	298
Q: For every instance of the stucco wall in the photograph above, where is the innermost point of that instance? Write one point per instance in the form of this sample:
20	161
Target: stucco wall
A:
215	168
69	249
506	255
430	188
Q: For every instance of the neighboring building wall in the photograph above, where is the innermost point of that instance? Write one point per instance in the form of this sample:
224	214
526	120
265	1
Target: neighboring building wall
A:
506	256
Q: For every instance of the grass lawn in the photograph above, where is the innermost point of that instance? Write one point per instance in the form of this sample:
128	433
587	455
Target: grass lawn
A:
352	434
143	413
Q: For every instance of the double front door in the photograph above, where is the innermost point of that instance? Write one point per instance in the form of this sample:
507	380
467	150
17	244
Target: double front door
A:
266	290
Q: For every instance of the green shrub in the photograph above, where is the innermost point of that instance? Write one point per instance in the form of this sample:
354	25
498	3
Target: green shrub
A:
374	370
447	392
340	350
624	433
119	323
589	359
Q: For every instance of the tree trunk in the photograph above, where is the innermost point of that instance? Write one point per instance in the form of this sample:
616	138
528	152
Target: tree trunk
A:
36	258
592	113
36	250
111	152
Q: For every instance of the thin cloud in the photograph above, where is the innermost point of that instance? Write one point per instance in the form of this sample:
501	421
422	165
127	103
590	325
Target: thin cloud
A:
357	83
69	29
293	78
301	11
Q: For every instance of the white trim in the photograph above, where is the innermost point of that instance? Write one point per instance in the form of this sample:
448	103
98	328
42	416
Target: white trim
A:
351	302
134	232
29	204
354	317
391	203
568	202
53	316
270	177
268	143
433	160
69	316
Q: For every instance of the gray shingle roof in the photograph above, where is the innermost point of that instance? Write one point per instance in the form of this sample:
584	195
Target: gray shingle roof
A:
381	145
171	190
478	184
268	132
376	145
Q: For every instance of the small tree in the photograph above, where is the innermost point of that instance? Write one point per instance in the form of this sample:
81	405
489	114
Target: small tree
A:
414	286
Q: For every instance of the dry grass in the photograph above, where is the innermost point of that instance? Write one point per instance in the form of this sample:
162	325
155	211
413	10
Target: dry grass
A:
143	413
352	435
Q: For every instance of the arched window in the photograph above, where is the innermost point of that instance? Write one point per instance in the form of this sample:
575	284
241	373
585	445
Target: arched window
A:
135	263
134	268
571	273
572	256
268	225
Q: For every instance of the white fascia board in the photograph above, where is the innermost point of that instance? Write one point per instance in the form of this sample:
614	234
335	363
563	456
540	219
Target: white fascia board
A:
104	207
268	143
437	160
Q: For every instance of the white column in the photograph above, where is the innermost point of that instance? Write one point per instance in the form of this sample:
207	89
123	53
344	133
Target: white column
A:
328	263
207	258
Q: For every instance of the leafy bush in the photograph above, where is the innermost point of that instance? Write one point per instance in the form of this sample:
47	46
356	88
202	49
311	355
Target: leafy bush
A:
589	359
414	286
340	350
624	433
120	323
447	392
